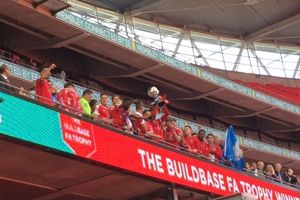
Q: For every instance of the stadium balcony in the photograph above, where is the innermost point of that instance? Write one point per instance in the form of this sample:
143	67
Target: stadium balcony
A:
207	90
34	127
117	162
24	76
19	103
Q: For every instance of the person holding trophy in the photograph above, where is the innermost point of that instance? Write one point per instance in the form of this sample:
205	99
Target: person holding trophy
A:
147	128
121	115
172	134
159	104
158	122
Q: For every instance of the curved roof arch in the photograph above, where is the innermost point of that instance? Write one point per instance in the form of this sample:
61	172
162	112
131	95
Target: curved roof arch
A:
249	54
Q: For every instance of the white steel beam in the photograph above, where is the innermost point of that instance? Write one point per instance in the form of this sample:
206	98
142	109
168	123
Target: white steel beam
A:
238	59
199	52
251	47
297	68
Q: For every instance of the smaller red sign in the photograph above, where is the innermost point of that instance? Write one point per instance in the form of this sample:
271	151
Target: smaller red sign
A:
79	135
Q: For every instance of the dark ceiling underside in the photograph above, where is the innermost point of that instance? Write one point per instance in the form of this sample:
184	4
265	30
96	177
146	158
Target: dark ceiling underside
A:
266	20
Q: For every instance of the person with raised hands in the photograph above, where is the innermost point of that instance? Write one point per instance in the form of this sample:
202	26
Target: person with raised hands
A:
42	86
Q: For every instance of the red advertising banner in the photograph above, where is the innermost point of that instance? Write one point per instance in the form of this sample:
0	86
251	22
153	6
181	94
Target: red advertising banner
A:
79	135
140	157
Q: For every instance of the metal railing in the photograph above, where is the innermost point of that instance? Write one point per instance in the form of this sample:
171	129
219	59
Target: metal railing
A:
62	108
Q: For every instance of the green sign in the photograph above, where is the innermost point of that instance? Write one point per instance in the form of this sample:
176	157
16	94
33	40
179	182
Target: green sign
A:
274	101
94	28
30	122
47	120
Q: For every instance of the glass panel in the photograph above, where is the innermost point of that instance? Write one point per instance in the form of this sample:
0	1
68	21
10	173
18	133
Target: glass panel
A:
185	47
108	16
83	7
170	43
202	49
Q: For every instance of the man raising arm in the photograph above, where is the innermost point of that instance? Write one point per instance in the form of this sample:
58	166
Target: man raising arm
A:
42	86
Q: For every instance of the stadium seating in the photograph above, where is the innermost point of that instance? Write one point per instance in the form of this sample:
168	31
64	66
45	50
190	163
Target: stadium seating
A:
291	94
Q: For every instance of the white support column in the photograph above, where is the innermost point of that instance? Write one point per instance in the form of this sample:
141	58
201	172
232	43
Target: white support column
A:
250	47
239	56
178	43
281	59
128	25
199	52
119	22
161	38
297	68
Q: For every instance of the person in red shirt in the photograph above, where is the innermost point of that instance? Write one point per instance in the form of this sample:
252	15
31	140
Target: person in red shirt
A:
103	109
69	99
202	140
173	133
43	88
116	101
149	131
121	116
104	112
192	142
157	124
213	150
138	119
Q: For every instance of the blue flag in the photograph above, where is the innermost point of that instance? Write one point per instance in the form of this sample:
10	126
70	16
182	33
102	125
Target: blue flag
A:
232	151
239	164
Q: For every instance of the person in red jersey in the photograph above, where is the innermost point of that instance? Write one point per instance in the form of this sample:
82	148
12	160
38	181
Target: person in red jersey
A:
69	99
213	150
103	109
192	142
43	88
116	101
173	133
121	116
203	142
137	117
157	123
149	131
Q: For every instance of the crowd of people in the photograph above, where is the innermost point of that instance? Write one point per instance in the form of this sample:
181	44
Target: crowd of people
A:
142	121
274	173
153	122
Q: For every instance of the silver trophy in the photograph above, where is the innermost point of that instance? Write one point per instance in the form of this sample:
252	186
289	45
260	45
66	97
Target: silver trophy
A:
159	101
